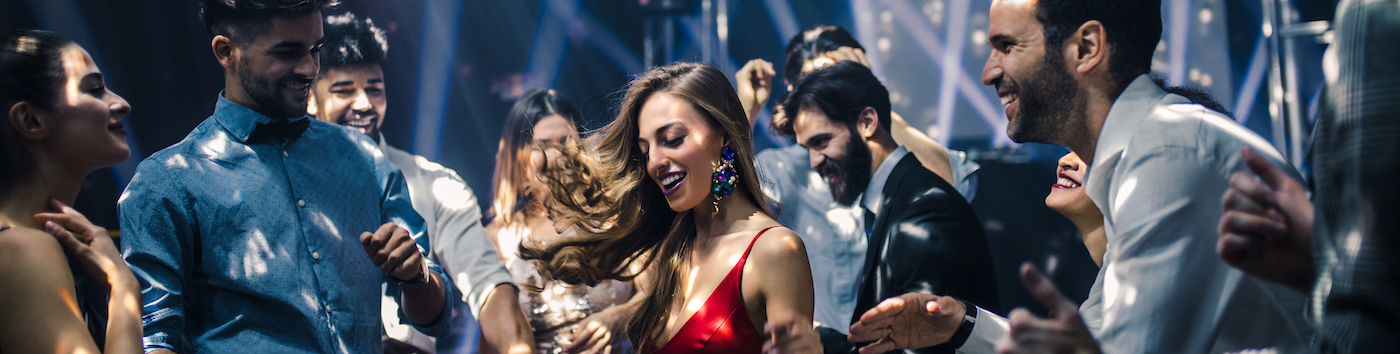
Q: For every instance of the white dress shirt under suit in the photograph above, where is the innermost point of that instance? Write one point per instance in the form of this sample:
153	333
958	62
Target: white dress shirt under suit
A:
1159	169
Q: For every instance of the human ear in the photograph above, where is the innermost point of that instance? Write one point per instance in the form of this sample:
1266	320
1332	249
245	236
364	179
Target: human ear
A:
224	50
28	120
868	122
311	104
1087	48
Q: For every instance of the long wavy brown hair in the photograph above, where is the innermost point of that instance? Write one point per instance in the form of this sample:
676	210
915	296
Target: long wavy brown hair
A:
623	223
509	185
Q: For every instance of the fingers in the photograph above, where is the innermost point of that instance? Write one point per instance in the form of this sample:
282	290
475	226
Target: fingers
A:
72	220
598	341
884	310
873	323
65	238
776	337
374	242
1247	194
1022	327
880	346
1246	224
581	338
848	54
1261	167
404	261
1045	292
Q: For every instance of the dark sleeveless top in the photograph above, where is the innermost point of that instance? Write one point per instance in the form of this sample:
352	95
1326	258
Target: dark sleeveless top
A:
722	324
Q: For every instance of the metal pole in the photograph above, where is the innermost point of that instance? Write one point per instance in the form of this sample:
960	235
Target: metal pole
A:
648	44
707	21
1291	96
668	39
1271	22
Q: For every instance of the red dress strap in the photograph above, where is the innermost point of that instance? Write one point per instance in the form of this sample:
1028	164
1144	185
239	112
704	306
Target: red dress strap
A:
722	325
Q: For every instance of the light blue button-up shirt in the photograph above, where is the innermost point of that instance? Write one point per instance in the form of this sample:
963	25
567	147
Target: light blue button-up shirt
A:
254	245
834	234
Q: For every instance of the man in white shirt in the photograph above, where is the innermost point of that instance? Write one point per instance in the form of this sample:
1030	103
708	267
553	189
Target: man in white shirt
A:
350	92
1073	73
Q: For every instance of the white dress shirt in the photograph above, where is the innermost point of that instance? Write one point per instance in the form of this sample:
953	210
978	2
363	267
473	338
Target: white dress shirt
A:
1159	170
834	234
459	242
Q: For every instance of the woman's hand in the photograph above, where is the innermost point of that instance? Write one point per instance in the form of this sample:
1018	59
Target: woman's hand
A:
87	245
597	333
755	84
788	335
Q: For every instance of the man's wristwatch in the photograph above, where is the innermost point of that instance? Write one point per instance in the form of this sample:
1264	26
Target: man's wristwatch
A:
965	329
420	279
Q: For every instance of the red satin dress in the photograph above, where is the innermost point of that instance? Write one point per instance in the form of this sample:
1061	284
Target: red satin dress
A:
722	324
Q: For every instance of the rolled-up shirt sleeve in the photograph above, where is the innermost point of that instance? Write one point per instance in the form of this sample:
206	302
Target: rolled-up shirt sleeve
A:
463	246
397	207
155	234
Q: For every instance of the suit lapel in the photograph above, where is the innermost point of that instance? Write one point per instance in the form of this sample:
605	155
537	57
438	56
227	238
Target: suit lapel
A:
878	234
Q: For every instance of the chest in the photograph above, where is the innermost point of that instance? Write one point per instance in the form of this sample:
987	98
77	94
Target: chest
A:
266	215
713	287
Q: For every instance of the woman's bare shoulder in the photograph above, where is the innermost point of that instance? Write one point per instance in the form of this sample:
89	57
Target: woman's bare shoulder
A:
28	255
779	245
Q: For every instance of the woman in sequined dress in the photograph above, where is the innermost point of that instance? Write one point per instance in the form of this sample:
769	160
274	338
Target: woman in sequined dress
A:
565	318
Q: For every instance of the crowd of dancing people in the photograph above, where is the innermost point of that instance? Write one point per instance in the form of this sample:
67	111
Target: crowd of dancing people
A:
285	222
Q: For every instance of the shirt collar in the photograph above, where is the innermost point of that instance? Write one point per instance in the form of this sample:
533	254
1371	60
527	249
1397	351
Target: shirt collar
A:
1129	110
871	198
238	120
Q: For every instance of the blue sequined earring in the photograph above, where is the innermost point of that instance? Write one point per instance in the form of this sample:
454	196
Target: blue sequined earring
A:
725	177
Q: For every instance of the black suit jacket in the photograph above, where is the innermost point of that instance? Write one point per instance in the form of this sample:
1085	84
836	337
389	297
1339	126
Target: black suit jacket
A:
925	239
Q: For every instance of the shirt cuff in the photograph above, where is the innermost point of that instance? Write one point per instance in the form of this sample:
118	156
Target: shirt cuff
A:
443	324
989	329
157	341
475	298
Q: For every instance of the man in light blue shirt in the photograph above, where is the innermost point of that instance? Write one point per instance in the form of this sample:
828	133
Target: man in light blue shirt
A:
265	229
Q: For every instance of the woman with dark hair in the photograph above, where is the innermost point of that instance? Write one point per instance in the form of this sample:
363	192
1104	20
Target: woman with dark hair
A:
572	318
60	124
687	239
1067	197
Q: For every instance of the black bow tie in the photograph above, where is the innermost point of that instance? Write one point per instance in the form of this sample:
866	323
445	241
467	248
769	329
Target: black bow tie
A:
280	129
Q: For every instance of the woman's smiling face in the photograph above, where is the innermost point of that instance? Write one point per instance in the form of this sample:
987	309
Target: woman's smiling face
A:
1067	194
89	127
680	148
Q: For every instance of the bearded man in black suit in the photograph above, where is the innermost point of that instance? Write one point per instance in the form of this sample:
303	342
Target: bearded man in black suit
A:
923	236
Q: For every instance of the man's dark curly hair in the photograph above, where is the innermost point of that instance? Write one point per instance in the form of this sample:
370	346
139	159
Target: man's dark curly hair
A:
352	41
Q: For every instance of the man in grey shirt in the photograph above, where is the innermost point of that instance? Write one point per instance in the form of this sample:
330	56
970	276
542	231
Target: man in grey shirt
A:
350	92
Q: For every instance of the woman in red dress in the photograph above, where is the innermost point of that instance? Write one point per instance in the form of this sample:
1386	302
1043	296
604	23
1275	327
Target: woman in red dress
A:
667	194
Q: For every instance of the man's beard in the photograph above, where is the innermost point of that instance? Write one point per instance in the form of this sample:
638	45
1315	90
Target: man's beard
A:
1049	101
268	94
851	173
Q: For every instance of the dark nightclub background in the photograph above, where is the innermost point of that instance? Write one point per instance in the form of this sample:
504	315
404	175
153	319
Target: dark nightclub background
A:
455	67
